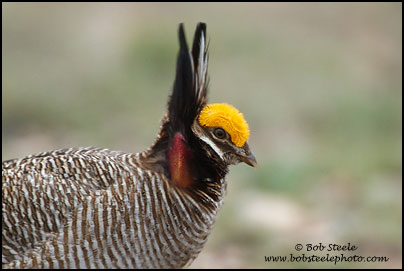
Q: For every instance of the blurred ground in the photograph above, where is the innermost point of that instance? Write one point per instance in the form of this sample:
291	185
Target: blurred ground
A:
319	84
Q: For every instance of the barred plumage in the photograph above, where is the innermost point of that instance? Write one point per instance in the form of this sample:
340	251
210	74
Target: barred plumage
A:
96	208
62	204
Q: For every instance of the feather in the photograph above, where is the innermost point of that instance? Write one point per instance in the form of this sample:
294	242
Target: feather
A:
200	60
189	94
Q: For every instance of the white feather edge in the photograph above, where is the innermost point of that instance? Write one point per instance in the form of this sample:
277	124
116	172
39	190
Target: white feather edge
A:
212	145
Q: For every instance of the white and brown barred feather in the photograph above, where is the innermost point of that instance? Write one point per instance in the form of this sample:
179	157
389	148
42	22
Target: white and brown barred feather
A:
96	208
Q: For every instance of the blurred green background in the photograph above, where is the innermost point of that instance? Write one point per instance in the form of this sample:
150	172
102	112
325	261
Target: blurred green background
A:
319	84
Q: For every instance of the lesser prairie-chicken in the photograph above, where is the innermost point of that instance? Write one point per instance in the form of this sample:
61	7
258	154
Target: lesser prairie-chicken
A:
97	208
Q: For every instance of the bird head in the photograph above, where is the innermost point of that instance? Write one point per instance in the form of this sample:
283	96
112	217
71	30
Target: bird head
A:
224	132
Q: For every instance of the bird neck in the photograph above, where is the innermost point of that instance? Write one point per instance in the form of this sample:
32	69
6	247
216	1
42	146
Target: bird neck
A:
185	163
180	161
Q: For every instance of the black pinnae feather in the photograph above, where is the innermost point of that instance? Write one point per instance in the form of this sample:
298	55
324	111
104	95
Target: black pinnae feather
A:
189	92
186	101
200	30
200	61
182	96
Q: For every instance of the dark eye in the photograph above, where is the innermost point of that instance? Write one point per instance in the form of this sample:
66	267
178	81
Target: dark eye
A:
220	133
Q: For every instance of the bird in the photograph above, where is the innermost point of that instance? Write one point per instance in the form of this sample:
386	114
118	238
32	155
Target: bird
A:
90	207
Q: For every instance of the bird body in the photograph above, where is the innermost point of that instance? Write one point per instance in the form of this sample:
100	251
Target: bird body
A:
97	208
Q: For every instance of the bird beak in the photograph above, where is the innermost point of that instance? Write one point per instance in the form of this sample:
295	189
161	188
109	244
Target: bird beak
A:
249	160
248	157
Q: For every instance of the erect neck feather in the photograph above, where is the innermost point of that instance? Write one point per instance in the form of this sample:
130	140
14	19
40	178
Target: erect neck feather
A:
180	162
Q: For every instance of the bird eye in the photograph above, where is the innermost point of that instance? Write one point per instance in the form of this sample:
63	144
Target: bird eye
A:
220	133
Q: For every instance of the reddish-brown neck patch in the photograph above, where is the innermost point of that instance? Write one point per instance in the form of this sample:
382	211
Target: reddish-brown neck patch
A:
179	159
